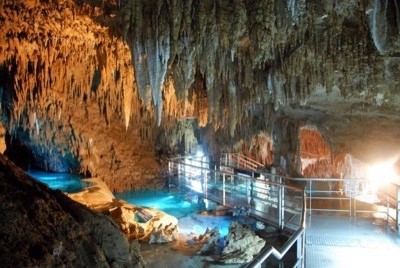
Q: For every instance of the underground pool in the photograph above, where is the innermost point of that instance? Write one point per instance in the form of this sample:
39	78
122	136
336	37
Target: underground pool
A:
185	206
65	182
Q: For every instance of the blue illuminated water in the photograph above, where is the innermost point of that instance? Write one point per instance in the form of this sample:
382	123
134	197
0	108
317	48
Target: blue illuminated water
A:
65	182
173	203
182	206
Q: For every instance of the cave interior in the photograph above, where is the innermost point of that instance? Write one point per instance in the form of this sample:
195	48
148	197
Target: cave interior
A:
112	89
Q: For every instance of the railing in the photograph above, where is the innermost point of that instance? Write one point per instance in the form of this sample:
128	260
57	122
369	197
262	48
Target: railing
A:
352	197
240	161
270	201
270	198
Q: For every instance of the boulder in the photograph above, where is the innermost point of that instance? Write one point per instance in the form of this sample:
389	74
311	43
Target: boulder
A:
241	244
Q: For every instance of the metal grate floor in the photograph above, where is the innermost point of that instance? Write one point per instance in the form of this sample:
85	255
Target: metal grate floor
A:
344	242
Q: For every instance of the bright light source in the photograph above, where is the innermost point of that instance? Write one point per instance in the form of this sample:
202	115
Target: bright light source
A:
199	153
381	174
196	186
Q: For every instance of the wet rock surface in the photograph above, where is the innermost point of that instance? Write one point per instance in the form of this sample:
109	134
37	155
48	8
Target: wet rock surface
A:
140	223
45	228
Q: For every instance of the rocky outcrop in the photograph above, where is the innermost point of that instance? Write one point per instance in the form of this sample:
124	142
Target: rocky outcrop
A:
241	245
141	223
211	242
44	228
164	234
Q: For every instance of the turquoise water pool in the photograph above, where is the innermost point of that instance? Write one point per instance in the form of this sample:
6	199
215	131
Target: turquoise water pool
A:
184	206
65	182
173	203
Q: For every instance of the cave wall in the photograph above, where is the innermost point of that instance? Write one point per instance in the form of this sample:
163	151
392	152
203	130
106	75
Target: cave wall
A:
40	227
315	155
103	87
68	93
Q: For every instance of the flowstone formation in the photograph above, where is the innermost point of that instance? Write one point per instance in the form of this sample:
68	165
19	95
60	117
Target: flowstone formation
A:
99	87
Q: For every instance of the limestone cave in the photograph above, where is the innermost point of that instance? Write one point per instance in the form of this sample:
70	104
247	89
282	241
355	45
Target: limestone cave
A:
112	89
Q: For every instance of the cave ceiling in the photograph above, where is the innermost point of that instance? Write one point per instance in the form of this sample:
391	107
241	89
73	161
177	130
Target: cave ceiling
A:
236	67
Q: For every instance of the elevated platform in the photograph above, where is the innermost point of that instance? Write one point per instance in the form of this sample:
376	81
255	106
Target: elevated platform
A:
335	241
336	234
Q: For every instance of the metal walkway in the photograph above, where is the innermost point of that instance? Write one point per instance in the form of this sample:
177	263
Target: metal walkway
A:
346	239
336	241
238	184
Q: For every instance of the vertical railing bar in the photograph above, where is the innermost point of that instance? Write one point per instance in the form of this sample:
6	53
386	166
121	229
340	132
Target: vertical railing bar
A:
223	189
398	208
387	204
235	190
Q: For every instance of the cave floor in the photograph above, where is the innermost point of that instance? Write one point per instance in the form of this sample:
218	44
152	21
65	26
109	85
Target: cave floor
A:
183	252
180	253
331	241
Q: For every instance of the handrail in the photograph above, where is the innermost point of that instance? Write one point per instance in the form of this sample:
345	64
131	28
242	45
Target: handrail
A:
349	194
298	235
228	159
279	254
248	159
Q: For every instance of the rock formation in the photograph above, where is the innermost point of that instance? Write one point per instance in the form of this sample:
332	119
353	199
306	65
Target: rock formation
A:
211	242
41	227
241	245
104	87
140	223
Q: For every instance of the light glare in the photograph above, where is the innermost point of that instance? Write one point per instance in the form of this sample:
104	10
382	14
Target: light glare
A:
381	174
199	153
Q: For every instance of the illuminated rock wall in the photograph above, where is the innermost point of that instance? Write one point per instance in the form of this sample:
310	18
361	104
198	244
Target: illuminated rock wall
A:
69	94
315	155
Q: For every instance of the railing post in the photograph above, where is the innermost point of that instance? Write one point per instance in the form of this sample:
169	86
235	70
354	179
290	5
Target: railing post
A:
398	208
387	203
205	184
355	202
350	197
179	176
223	189
281	204
300	248
248	189
310	197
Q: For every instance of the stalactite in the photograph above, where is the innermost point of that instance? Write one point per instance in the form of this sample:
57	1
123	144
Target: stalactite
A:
225	63
233	109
